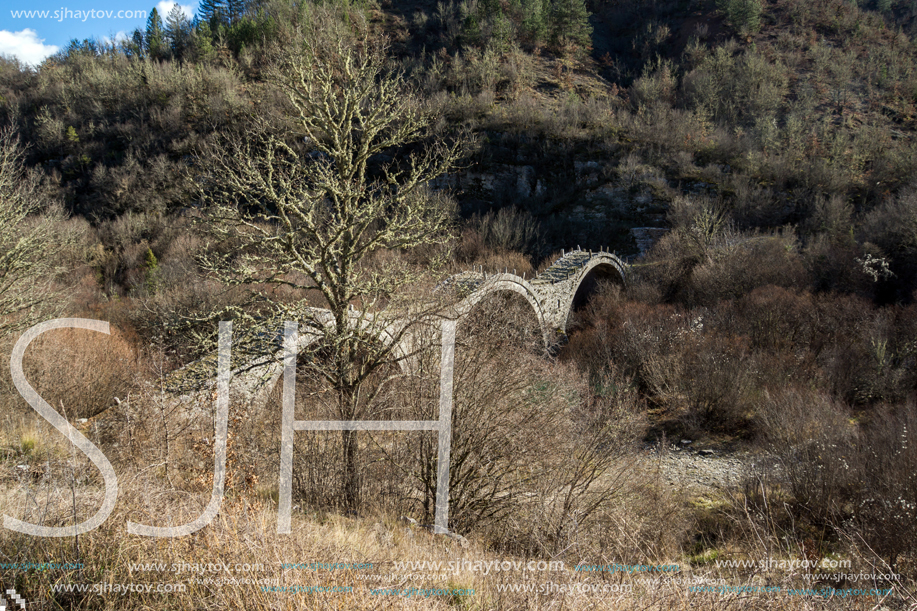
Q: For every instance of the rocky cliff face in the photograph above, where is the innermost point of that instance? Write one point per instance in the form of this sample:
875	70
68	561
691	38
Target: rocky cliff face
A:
592	203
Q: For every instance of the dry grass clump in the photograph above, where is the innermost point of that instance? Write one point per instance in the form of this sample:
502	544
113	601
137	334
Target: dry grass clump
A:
83	369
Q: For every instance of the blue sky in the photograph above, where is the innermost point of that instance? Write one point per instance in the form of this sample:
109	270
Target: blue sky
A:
33	38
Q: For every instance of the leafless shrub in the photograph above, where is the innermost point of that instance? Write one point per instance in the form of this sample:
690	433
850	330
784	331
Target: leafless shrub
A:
755	206
741	263
508	229
816	451
594	468
717	383
886	507
84	369
833	217
656	86
33	240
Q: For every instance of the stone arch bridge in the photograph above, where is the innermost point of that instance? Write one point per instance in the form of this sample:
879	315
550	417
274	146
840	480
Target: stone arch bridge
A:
552	295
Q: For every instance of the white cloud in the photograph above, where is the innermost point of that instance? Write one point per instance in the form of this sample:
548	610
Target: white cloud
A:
26	46
121	35
166	5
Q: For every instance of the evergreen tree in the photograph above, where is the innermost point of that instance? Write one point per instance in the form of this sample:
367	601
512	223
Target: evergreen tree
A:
534	21
213	13
87	46
155	36
135	47
178	31
745	15
202	42
569	24
235	10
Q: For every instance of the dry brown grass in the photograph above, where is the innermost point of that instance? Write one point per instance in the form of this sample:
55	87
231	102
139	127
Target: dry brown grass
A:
244	533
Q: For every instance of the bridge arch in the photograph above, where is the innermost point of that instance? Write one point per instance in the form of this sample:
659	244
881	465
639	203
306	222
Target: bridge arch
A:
597	270
498	283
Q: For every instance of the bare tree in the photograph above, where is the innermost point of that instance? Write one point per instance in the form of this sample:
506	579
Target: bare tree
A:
315	214
30	244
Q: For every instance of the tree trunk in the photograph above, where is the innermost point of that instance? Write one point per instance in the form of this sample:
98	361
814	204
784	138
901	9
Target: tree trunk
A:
350	470
350	478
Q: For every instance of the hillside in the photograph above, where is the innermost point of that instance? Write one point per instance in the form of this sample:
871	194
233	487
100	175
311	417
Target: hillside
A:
742	394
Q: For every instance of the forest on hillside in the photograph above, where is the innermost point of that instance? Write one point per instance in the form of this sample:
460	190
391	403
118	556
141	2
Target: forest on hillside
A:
745	392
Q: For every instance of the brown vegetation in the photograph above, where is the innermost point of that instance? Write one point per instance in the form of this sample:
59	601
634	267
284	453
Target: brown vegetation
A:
777	316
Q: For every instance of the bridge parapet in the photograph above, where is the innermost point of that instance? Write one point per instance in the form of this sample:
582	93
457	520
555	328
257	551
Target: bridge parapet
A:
558	285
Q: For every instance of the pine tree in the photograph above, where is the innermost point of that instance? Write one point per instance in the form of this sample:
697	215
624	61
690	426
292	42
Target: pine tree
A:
202	42
137	47
155	37
235	10
745	15
569	24
534	21
178	31
213	13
